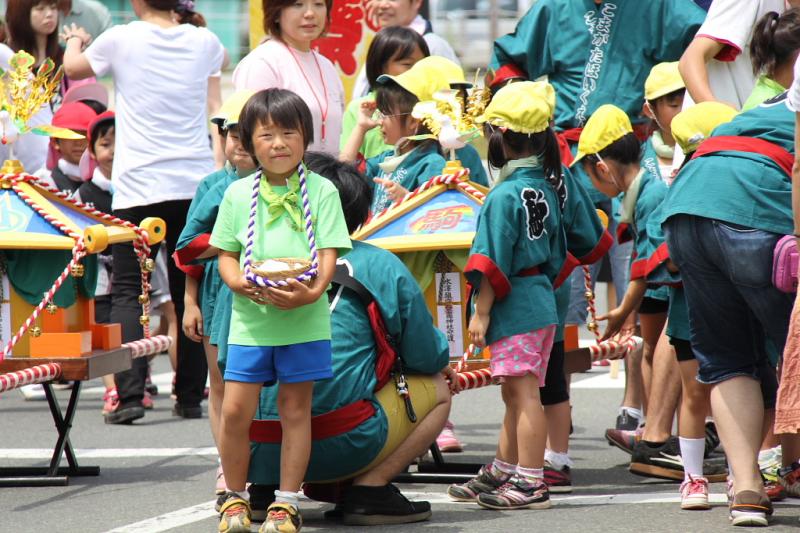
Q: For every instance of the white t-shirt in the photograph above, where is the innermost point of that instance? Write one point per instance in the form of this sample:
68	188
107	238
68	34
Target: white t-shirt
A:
30	149
730	74
731	23
161	90
794	91
273	65
436	45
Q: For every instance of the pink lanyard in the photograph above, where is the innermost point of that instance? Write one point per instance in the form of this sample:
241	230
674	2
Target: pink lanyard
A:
324	111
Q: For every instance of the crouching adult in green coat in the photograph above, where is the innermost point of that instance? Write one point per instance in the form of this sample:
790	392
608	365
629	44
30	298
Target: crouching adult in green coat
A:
361	435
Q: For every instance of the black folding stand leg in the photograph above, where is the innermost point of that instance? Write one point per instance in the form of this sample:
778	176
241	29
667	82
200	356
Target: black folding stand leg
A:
53	474
63	426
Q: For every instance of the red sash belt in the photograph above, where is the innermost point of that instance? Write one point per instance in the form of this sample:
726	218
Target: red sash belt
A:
530	271
731	143
326	425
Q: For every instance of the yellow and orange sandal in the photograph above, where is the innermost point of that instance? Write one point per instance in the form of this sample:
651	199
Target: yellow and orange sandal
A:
234	515
282	518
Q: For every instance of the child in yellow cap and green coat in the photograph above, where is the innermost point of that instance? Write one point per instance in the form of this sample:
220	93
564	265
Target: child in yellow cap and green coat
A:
518	251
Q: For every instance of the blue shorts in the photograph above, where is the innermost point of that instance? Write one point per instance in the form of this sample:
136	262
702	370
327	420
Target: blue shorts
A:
733	306
294	363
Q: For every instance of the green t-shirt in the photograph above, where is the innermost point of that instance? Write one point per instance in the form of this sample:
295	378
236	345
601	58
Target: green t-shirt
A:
764	89
373	141
264	325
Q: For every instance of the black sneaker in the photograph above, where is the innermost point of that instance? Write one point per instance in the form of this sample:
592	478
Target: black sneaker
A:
124	414
261	497
372	506
712	438
664	462
627	422
187	411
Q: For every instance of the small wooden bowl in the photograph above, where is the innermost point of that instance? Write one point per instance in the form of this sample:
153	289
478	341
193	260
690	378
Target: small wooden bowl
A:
294	267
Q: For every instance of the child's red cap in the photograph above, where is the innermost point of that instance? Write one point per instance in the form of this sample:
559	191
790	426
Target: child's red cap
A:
75	116
88	164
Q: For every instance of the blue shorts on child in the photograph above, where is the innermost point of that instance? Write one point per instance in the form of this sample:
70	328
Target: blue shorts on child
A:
294	363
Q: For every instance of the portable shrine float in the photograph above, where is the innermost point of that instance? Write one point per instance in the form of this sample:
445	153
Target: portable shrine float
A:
48	243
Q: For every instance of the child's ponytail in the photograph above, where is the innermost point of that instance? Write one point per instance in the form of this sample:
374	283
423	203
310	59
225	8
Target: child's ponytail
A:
543	145
776	38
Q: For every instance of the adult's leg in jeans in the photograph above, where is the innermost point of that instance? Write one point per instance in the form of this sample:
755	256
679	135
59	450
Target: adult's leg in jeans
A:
192	369
713	300
126	309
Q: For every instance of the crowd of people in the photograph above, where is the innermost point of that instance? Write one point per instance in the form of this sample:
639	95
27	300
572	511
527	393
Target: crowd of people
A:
675	118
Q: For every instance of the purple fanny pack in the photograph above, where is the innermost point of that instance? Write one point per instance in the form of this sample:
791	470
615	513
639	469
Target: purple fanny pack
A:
784	264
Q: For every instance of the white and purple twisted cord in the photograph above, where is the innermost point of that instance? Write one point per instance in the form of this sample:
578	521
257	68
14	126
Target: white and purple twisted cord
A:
251	231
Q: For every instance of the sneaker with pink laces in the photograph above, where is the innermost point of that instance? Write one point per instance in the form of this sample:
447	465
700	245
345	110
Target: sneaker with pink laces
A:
110	400
694	494
147	401
447	441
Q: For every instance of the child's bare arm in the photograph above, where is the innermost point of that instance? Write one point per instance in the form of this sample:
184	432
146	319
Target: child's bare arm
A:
479	323
192	316
301	294
349	153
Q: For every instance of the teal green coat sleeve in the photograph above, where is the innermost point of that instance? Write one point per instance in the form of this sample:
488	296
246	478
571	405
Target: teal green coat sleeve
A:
519	228
471	159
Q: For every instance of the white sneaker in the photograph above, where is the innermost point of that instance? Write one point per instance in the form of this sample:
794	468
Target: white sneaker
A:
32	392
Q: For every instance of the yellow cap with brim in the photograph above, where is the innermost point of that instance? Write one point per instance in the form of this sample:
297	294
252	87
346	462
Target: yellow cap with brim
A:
693	125
523	107
607	124
428	76
664	78
228	114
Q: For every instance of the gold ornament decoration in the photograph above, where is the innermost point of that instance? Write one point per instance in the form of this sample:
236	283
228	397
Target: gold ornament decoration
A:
77	271
588	295
451	116
148	265
23	92
36	331
592	326
52	308
143	299
144	320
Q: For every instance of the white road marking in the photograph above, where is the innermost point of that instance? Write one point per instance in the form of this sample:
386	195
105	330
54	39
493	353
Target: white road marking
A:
108	453
600	381
168	521
204	511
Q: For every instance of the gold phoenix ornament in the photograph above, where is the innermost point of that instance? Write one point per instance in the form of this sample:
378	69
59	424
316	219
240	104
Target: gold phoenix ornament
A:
22	94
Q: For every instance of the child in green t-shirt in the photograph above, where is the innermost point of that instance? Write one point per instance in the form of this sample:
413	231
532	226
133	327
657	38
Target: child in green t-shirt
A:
279	333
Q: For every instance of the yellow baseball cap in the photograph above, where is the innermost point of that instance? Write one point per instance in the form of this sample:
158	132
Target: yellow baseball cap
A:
692	126
607	124
428	76
663	79
523	107
228	114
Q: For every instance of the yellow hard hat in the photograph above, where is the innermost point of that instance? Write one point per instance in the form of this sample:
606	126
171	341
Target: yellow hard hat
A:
607	124
428	76
663	79
523	107
228	114
692	126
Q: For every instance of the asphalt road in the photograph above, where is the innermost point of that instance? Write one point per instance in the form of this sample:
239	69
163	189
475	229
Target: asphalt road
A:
158	475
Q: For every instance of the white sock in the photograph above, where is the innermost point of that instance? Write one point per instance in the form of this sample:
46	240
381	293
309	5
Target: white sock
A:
243	494
692	452
556	459
282	496
632	411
